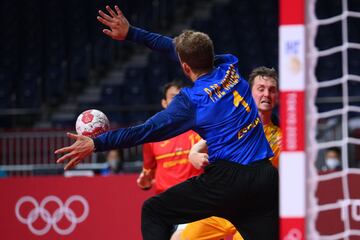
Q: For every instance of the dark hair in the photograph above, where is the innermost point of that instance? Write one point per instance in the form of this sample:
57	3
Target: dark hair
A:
120	154
334	149
196	49
176	83
264	72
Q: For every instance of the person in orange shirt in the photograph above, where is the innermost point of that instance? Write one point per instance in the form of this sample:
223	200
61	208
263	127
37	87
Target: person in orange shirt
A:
166	163
264	88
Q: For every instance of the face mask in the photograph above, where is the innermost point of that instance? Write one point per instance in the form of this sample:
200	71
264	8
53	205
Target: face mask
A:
332	163
113	163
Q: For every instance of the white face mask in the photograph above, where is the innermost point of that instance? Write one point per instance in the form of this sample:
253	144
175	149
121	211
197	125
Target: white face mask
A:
332	163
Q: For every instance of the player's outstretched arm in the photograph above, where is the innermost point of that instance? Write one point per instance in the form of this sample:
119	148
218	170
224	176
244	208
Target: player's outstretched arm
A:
177	118
74	154
198	156
120	29
116	21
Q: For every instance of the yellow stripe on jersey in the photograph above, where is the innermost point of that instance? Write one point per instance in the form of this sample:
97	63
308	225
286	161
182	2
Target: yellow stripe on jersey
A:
172	154
172	163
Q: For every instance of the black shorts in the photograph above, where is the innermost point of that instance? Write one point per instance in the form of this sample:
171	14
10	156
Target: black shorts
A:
246	195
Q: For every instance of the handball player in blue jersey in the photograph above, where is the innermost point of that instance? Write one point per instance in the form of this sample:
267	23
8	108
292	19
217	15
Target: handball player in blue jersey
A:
240	184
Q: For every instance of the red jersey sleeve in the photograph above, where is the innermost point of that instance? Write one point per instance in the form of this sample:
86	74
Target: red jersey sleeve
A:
148	157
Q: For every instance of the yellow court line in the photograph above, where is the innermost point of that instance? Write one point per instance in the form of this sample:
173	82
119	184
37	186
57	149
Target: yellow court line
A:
172	154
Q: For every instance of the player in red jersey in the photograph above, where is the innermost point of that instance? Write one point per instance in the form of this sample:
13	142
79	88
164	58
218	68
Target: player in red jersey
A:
167	162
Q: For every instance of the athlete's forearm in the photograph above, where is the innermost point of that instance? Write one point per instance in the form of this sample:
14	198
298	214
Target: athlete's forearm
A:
120	138
154	41
128	137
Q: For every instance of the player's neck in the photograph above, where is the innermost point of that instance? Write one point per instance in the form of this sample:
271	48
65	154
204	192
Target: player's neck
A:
265	117
196	76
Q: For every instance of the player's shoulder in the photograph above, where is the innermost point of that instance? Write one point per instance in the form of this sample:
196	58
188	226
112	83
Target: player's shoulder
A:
186	91
184	94
226	59
191	92
182	100
195	93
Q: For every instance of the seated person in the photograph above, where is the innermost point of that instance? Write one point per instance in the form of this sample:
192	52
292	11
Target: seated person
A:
115	162
332	160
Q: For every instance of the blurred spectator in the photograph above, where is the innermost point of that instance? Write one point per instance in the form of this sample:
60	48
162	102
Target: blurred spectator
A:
115	163
332	160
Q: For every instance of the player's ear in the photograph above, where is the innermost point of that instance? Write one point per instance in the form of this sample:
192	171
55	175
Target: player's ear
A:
164	103
186	68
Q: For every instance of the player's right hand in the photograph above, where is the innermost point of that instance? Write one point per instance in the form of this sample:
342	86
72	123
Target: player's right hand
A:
74	154
118	24
198	160
145	179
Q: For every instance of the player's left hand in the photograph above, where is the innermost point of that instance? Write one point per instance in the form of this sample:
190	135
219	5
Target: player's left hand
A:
118	24
80	149
198	160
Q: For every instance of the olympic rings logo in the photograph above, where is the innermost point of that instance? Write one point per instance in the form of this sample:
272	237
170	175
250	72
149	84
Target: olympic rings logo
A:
294	234
52	220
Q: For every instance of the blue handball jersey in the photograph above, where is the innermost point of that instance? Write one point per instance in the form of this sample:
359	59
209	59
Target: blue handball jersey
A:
219	107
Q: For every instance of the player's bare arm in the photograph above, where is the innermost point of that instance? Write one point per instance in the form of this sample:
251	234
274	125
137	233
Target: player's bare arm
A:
115	20
198	156
74	154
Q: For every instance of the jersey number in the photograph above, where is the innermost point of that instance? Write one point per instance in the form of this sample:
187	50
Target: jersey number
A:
239	99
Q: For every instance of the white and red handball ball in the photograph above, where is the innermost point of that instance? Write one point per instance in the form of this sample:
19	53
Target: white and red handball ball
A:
92	123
